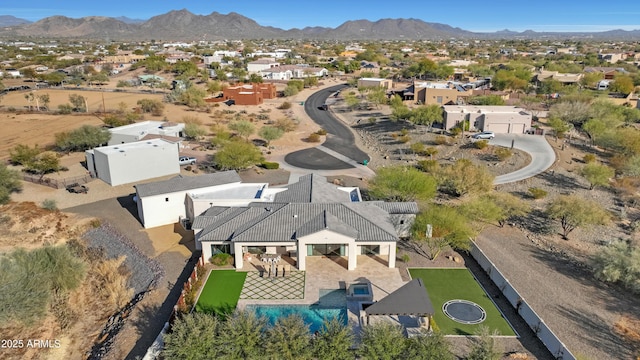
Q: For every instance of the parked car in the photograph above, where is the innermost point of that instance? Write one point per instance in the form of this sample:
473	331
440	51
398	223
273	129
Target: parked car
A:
484	135
186	160
76	188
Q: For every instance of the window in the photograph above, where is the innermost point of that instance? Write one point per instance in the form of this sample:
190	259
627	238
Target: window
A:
370	249
439	100
326	250
221	248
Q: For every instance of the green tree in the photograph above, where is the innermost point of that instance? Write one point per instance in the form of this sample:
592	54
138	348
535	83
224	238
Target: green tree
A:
186	69
270	133
449	227
243	128
619	263
575	112
151	106
236	155
242	336
9	183
573	211
496	207
377	96
622	84
181	343
426	115
484	347
432	346
559	126
487	100
351	100
591	80
382	341
84	138
289	339
43	163
597	174
463	177
333	341
401	183
22	154
194	131
192	97
79	102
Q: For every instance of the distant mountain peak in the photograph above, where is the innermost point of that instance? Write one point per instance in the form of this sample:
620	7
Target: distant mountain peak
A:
9	20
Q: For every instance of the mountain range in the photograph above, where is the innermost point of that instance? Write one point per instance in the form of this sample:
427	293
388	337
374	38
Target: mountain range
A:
184	25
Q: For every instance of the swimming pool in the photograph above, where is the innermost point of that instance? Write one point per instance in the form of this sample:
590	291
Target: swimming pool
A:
332	304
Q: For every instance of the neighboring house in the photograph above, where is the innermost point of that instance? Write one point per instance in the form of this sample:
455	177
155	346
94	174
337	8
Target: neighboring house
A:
142	131
612	58
249	94
565	79
308	218
499	119
122	58
132	162
13	73
609	73
286	72
387	84
257	66
430	93
276	73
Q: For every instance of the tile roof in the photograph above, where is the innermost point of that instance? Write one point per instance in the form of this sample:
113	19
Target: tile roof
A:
312	188
180	183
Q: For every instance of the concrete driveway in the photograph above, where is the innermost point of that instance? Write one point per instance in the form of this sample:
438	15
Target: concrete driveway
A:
542	155
340	139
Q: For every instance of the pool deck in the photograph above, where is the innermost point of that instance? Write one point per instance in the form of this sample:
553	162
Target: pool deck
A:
325	273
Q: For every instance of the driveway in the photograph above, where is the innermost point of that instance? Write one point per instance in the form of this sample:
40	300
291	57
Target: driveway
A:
542	155
340	139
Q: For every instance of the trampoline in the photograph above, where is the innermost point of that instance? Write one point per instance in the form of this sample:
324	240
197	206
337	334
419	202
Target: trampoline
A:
464	312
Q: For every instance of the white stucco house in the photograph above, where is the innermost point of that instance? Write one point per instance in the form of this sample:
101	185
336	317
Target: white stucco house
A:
262	64
134	161
499	119
145	130
308	218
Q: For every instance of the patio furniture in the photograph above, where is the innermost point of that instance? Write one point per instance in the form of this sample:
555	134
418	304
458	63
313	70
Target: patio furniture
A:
270	260
286	270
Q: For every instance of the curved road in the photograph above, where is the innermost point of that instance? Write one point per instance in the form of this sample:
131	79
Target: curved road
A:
340	139
542	155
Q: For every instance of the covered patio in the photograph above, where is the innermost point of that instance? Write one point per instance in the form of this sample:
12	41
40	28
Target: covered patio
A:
408	306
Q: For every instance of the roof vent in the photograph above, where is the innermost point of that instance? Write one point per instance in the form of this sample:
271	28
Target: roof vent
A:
295	216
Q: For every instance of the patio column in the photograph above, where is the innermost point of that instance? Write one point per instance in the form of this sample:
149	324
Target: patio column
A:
237	251
352	256
392	255
301	252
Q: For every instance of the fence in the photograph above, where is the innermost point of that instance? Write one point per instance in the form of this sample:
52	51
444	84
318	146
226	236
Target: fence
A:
535	322
57	184
154	350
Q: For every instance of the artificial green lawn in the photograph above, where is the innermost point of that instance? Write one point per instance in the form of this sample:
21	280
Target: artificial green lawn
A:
449	284
221	292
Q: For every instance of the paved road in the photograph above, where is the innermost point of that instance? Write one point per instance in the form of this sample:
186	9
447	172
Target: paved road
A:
542	155
339	138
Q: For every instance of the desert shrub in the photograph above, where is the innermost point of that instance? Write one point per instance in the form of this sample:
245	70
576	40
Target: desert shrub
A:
285	105
441	140
270	165
23	154
405	258
65	109
503	153
537	193
430	151
455	131
619	263
372	120
313	138
429	166
49	204
152	106
464	177
109	281
417	148
286	124
95	223
404	139
481	144
193	131
221	259
321	132
404	132
589	158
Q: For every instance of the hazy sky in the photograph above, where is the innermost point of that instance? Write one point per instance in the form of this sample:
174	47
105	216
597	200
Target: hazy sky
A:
473	15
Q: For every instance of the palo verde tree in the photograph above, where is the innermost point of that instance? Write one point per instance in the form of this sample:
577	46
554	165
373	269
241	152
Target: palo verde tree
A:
270	133
402	183
494	207
236	155
243	128
597	174
573	211
449	227
84	138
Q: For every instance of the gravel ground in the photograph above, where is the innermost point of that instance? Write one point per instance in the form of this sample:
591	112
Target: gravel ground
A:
144	271
579	310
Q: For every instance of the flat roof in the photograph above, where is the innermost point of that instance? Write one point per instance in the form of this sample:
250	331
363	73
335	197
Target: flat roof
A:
143	126
373	79
238	191
133	146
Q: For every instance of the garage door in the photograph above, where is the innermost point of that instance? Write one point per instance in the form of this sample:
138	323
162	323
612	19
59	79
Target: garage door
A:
497	128
517	128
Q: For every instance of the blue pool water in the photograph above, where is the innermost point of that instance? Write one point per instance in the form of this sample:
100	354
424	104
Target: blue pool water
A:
361	290
332	304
